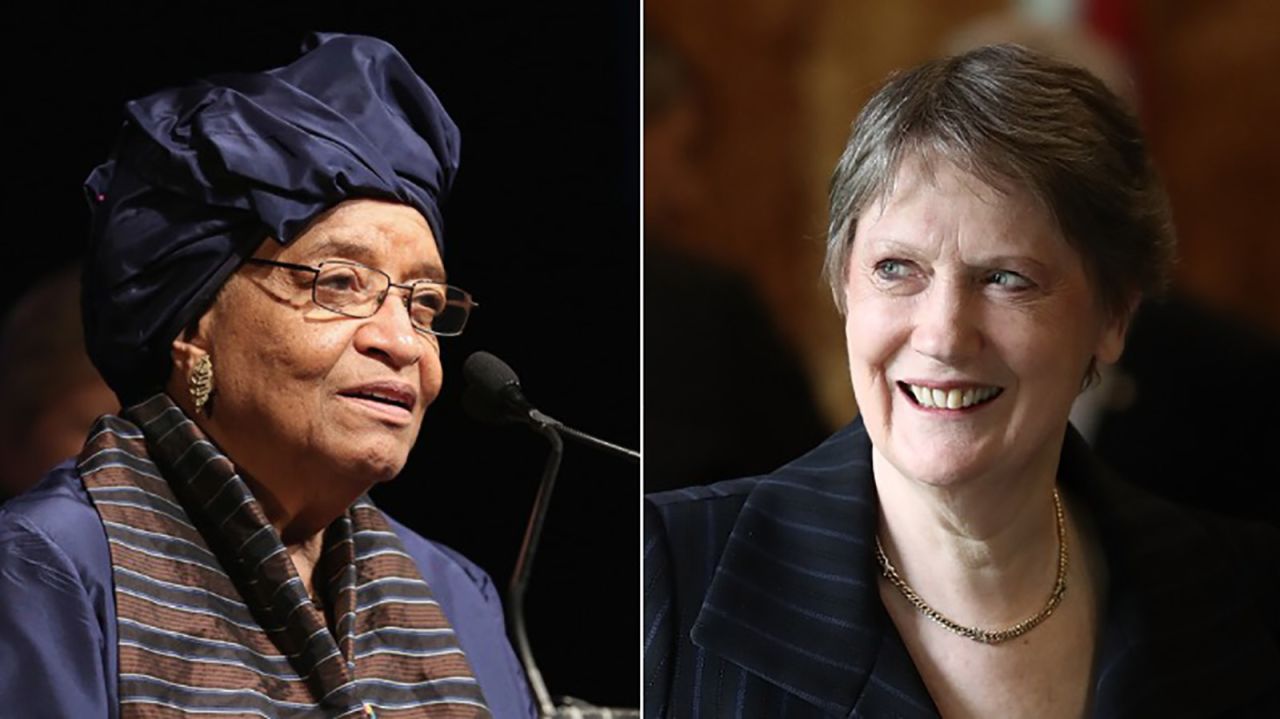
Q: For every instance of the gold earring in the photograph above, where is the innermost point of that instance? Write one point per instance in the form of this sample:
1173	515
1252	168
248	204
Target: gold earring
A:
200	383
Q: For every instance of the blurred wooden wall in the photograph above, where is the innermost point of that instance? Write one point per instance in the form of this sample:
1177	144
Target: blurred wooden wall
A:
781	81
1213	113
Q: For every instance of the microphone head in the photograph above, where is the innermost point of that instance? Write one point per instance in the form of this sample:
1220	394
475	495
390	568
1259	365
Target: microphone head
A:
488	373
493	391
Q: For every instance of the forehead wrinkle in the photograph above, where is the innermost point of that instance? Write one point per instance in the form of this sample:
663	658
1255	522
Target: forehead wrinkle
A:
346	244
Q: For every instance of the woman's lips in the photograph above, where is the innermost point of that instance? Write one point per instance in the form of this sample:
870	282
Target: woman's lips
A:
394	414
952	397
389	400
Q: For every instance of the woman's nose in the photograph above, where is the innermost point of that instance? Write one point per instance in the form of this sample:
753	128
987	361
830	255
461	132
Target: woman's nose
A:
946	324
391	334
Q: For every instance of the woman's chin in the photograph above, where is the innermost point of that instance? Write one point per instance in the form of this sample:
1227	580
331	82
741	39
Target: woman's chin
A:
941	466
372	466
384	471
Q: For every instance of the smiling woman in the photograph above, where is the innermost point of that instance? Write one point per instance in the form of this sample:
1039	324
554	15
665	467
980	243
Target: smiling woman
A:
957	550
212	550
956	289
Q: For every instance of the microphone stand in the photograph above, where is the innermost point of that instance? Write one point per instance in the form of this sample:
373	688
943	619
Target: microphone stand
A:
572	708
524	567
541	420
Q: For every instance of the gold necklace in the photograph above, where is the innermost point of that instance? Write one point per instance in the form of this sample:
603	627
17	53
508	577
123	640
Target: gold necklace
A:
988	636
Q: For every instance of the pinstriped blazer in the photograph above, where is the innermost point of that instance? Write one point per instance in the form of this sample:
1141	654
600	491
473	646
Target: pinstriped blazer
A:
761	599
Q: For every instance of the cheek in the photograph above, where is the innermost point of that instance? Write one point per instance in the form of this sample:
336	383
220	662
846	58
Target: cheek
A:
431	374
869	341
873	329
284	361
1048	354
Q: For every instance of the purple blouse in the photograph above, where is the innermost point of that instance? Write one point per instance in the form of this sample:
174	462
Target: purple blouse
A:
58	616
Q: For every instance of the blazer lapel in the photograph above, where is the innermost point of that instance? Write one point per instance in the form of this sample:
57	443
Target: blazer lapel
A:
794	599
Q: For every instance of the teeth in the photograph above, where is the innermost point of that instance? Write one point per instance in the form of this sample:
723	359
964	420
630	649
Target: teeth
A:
382	398
951	399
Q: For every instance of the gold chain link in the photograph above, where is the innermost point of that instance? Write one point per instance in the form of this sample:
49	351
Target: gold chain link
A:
987	636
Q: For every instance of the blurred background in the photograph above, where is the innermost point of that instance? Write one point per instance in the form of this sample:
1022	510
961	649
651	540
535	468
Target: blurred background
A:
745	115
542	227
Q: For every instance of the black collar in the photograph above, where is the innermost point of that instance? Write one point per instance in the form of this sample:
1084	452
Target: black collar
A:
1184	634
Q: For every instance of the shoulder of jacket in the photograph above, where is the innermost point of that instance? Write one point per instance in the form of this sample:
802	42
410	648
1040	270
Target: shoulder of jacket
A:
726	492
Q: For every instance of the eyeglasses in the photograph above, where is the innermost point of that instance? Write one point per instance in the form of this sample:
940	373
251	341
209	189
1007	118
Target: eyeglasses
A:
354	290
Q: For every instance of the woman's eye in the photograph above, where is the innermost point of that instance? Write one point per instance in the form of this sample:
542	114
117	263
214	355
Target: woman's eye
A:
892	270
1008	280
339	281
428	301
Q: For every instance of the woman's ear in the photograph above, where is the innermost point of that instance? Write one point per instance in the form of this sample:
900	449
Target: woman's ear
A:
192	343
191	379
1116	328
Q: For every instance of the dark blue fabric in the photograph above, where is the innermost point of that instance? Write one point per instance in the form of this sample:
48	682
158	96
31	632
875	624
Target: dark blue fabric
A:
201	174
58	617
761	599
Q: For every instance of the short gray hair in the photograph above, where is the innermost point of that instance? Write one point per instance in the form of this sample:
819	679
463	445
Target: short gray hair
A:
1013	117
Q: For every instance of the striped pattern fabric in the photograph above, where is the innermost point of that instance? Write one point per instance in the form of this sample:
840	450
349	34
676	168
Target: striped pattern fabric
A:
212	616
761	599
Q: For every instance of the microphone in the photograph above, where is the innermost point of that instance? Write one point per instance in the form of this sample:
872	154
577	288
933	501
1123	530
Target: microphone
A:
494	395
493	391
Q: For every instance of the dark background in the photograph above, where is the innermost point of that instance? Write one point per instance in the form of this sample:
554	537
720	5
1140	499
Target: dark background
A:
542	227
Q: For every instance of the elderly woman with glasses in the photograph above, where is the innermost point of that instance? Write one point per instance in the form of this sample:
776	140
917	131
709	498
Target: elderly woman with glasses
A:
957	550
266	295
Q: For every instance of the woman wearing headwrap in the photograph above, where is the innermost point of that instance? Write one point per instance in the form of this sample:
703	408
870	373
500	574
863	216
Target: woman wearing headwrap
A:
265	294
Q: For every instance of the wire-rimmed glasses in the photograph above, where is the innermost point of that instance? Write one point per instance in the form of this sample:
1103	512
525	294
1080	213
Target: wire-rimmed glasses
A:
355	290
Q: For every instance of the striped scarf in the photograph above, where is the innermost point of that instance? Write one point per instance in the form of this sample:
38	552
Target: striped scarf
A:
212	615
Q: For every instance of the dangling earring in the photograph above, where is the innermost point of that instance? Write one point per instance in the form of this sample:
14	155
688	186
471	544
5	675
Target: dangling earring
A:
200	383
